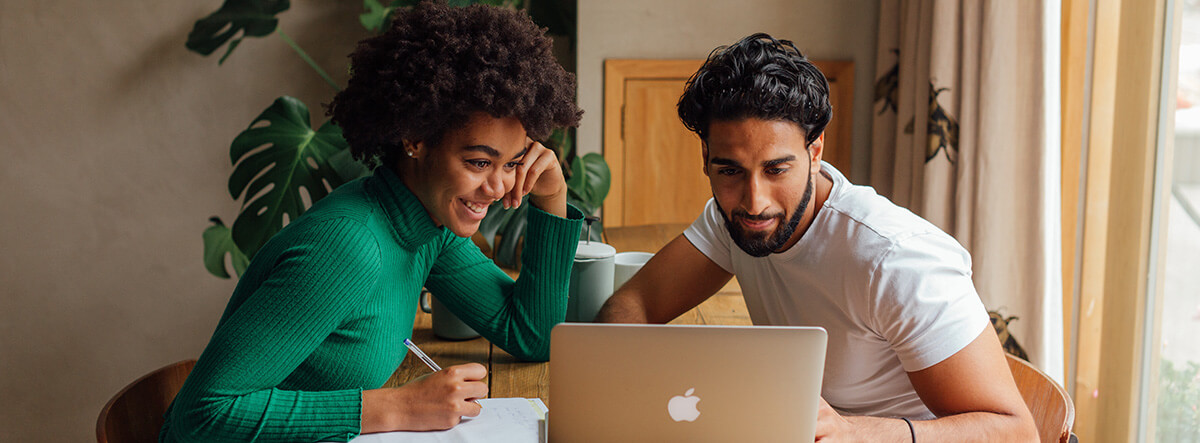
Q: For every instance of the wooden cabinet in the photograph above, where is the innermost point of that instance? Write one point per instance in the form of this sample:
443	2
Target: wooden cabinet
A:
657	174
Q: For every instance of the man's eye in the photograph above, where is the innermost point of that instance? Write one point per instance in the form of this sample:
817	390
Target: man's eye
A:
776	171
728	171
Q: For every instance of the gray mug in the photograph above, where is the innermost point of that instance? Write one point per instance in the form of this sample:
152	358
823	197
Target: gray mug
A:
446	325
591	281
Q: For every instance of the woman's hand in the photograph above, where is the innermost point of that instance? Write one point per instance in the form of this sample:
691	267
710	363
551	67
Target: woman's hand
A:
431	402
541	177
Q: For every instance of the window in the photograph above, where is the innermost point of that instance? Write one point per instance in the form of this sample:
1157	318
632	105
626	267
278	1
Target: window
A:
1174	388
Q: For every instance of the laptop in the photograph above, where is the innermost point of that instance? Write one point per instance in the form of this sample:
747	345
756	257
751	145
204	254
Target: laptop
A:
630	383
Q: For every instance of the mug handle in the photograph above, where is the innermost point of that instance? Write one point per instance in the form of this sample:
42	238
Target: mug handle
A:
423	300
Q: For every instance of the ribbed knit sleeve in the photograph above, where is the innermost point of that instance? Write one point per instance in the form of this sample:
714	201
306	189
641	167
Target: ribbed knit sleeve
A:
517	316
279	314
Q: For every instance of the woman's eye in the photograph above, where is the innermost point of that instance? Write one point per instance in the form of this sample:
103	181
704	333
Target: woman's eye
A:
481	164
512	165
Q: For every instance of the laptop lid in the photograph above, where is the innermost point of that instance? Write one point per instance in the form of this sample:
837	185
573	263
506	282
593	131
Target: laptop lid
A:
619	382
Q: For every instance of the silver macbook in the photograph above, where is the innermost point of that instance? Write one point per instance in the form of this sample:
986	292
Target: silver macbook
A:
618	382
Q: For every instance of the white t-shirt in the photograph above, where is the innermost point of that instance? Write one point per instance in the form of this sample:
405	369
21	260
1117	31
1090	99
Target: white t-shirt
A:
893	291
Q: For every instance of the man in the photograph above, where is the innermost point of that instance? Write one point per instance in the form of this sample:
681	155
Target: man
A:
911	352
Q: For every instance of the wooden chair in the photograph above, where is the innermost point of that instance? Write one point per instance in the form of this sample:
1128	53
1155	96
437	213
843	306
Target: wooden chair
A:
135	414
1052	409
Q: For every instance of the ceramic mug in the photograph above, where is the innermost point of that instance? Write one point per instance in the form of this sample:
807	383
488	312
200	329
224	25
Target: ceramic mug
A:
591	280
626	264
446	325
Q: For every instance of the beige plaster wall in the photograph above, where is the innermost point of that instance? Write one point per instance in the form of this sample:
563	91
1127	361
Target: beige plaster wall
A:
114	145
114	152
822	29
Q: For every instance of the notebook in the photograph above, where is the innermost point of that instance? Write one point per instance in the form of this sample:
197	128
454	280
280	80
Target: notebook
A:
502	420
629	383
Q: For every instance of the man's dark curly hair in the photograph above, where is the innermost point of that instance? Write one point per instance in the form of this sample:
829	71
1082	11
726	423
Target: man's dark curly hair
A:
758	77
437	65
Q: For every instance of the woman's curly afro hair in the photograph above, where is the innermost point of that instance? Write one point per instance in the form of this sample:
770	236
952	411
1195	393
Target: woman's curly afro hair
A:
437	65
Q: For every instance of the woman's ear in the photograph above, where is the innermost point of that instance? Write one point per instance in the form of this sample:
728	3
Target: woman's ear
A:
415	150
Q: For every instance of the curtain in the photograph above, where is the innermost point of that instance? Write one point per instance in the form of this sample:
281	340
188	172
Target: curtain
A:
960	138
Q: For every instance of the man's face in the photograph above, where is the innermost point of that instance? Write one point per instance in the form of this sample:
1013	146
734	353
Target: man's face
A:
762	179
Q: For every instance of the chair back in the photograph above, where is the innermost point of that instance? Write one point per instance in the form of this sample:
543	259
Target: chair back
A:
1052	409
135	414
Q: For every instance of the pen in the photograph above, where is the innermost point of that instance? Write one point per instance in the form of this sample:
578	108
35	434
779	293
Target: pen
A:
425	358
421	355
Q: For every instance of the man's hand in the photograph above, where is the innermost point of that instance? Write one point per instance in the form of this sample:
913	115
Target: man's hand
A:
676	279
972	393
432	402
833	427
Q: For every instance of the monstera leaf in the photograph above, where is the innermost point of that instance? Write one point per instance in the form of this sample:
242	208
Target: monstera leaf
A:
292	157
218	242
253	18
377	16
589	182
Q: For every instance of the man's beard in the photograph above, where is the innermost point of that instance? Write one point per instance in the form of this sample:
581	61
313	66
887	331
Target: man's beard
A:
761	245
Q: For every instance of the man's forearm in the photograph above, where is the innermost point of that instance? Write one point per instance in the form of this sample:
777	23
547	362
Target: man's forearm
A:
622	308
966	427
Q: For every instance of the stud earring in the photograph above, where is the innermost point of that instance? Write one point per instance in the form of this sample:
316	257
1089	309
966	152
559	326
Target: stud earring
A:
411	154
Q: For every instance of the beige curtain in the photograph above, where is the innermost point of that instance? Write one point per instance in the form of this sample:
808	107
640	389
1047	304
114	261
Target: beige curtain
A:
959	137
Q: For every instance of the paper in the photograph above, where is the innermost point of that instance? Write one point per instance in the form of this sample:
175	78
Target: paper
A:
503	420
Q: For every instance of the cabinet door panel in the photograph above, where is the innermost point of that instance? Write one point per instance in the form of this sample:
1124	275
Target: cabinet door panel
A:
664	181
657	165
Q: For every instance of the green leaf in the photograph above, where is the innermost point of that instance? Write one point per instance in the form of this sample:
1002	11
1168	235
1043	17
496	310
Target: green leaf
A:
562	143
495	220
218	242
596	178
346	167
252	18
271	178
375	17
512	232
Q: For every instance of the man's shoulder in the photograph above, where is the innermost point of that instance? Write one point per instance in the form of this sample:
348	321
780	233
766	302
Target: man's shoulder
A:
865	228
864	213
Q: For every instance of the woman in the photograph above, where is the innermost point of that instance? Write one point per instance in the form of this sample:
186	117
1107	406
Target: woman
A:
444	104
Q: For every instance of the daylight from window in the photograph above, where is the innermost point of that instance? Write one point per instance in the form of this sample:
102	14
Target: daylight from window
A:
1178	411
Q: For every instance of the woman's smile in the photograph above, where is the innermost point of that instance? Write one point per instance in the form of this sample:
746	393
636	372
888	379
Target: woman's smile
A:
475	210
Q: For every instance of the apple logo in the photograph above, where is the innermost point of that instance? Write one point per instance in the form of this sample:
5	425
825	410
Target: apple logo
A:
683	407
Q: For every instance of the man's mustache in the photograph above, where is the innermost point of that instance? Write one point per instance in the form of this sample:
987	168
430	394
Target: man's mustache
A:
741	213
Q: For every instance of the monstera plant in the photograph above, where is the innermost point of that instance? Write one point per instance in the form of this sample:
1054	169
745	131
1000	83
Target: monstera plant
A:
280	159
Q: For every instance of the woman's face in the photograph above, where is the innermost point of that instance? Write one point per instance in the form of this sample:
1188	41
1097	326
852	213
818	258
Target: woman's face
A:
472	167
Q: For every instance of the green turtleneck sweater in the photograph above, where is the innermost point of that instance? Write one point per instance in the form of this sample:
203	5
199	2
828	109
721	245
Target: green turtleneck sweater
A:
322	312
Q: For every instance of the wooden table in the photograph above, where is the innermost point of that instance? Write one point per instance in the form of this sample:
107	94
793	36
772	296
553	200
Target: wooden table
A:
508	377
